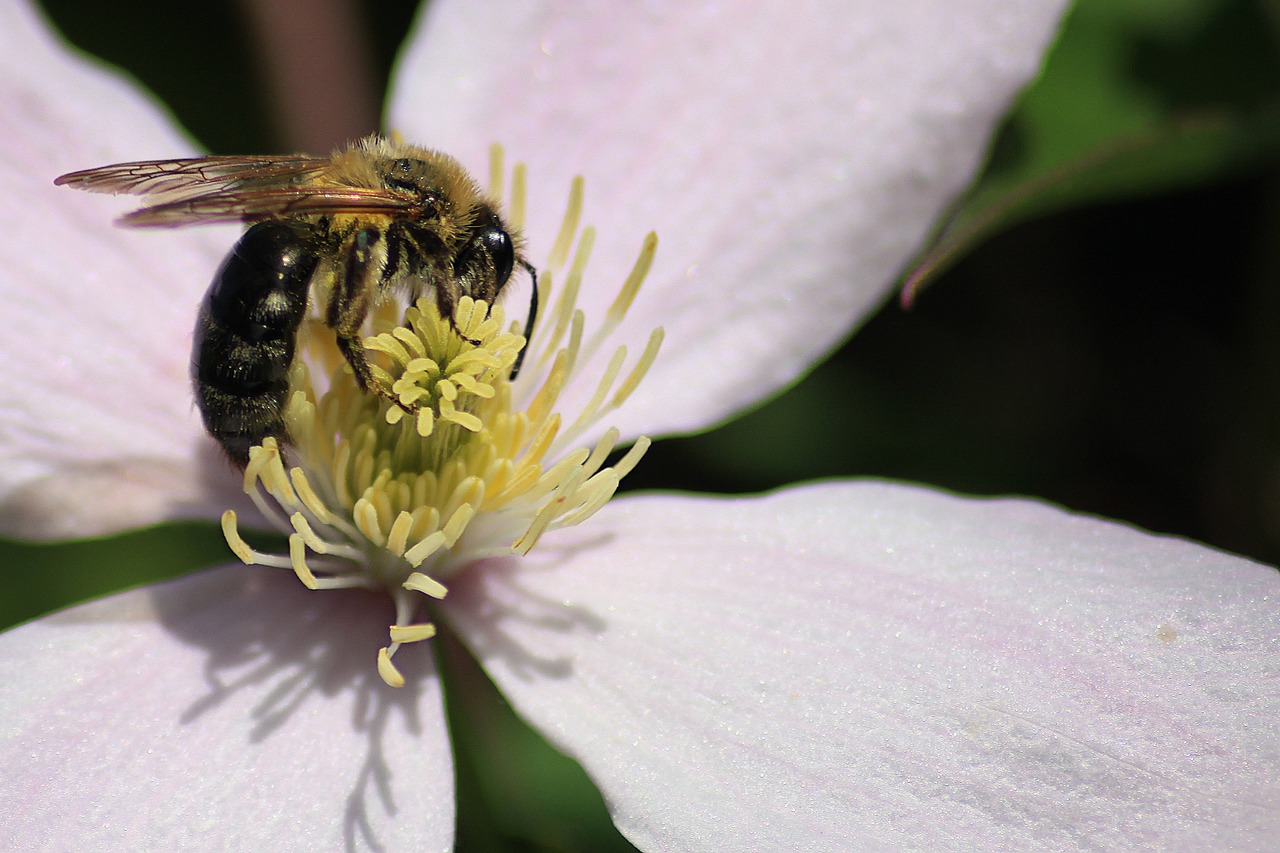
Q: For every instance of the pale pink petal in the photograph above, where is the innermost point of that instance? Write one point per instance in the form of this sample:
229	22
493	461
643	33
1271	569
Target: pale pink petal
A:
874	666
97	430
232	710
790	156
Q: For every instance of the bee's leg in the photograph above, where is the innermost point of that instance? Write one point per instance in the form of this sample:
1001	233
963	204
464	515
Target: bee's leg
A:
359	280
447	304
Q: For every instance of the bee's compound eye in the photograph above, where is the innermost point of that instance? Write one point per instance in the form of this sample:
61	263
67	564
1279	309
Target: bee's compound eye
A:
490	247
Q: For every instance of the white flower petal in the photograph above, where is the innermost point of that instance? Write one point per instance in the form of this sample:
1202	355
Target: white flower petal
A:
232	710
875	666
791	158
94	397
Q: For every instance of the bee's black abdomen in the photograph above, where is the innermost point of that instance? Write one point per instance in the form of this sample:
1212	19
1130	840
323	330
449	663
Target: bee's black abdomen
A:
246	334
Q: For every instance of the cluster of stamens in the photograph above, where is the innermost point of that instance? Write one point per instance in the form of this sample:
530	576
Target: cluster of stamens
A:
372	497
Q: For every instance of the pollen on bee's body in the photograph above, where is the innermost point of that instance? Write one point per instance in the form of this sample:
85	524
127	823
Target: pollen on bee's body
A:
467	466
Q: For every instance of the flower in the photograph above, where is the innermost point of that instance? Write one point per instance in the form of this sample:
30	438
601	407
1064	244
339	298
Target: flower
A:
836	666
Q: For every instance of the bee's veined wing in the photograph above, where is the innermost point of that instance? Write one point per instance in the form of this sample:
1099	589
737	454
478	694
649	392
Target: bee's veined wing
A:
169	180
251	204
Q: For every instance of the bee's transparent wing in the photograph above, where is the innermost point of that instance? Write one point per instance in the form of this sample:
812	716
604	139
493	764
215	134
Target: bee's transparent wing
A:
167	179
229	189
251	205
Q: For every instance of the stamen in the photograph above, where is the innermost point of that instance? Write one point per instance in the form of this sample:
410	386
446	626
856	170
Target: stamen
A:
241	549
309	498
622	303
568	225
588	415
632	457
418	582
458	523
309	537
638	373
601	452
412	633
497	169
424	549
519	190
399	536
563	311
298	558
387	669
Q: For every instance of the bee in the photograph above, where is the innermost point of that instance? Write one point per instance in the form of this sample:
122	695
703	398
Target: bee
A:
375	217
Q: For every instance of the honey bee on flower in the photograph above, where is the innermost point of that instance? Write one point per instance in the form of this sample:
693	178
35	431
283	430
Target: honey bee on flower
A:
380	420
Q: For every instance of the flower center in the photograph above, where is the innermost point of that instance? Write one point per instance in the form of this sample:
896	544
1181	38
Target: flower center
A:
373	497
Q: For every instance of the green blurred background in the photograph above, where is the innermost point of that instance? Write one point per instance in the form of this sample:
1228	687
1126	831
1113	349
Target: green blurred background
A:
1096	324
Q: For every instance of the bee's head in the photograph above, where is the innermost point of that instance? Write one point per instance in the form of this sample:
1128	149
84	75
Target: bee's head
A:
489	254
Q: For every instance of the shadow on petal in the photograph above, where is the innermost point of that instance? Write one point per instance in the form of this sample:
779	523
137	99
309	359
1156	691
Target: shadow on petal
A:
290	649
143	490
502	591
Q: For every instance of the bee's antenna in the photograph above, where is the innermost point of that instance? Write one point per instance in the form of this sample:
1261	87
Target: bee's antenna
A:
533	316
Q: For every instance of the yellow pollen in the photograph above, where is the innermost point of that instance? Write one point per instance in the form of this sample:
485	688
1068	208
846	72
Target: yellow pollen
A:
465	465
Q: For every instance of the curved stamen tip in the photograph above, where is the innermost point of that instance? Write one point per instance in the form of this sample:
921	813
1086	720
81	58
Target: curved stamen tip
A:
388	670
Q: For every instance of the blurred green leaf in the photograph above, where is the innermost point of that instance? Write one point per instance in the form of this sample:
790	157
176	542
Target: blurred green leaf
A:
42	577
515	790
1136	97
